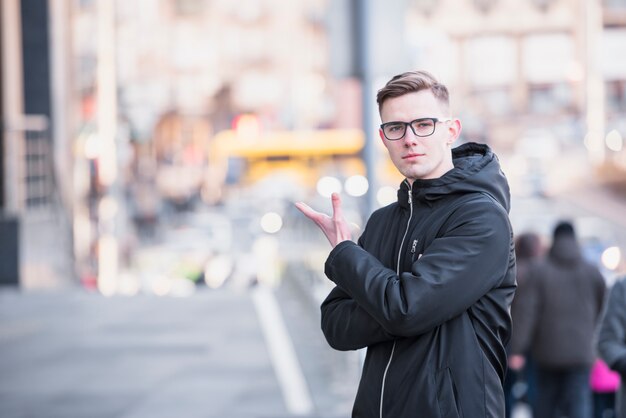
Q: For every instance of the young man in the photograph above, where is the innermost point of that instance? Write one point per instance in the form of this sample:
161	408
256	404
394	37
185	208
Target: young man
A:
427	289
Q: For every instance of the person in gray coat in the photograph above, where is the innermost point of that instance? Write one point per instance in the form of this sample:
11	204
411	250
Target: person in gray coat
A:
558	316
612	339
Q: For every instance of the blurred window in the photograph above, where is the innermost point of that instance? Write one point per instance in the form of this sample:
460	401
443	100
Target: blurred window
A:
484	5
612	57
189	7
495	102
434	49
236	169
86	70
550	98
616	96
615	5
426	7
86	4
549	58
492	61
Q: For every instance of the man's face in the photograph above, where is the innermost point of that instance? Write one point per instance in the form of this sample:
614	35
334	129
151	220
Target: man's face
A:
420	157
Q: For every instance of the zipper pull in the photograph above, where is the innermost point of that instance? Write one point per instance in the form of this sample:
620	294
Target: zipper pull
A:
414	246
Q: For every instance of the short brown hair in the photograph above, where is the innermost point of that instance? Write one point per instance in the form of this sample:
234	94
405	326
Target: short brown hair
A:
410	82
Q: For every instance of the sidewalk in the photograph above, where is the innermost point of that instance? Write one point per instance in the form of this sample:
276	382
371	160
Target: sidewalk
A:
600	200
75	354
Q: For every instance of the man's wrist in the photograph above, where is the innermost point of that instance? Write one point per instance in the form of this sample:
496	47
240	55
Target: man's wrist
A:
334	253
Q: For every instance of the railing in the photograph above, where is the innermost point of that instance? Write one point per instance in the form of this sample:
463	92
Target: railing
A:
38	175
34	195
31	171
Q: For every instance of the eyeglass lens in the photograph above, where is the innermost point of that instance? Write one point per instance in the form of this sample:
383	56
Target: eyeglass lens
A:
420	127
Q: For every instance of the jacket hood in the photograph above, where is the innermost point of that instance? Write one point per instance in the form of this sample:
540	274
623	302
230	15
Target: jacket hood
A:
565	250
476	169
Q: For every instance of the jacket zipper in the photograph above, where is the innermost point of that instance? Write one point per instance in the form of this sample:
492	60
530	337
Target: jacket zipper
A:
393	348
414	250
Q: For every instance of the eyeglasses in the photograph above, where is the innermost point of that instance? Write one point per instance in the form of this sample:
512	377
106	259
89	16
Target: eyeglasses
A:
420	127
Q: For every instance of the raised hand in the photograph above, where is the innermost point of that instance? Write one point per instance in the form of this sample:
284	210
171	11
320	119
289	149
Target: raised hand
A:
336	228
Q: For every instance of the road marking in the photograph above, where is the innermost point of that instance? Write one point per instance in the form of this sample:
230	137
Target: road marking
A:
282	353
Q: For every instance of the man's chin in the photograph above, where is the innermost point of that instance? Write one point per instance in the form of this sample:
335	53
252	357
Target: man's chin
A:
412	174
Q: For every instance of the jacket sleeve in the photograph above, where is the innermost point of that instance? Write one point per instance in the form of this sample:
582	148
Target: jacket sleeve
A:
612	335
455	271
347	326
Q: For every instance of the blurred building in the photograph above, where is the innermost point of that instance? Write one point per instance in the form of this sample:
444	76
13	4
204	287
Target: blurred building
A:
35	157
195	64
553	66
514	66
181	71
110	106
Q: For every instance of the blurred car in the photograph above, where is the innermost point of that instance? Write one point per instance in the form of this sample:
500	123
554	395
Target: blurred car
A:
214	229
187	251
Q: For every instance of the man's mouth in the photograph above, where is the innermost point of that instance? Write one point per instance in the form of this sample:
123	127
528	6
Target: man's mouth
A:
411	155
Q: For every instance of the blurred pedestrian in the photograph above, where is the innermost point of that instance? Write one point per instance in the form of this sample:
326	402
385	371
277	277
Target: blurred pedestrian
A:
528	248
558	315
428	287
612	338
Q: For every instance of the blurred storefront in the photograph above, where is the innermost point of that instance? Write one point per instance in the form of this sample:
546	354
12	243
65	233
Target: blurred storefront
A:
35	120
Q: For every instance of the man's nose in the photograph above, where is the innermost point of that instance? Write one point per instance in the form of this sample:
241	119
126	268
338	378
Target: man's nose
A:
409	137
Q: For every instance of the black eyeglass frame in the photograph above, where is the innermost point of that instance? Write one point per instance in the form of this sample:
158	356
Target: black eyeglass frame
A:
410	124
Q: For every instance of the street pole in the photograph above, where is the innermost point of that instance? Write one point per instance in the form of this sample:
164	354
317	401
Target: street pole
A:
11	95
364	65
108	206
594	109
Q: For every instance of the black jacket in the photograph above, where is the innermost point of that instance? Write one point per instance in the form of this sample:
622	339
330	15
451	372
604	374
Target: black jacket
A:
559	308
427	290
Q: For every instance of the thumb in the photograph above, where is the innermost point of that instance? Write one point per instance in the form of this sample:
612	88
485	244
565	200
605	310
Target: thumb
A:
304	208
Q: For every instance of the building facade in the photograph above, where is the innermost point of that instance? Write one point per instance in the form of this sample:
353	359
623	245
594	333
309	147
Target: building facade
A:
36	190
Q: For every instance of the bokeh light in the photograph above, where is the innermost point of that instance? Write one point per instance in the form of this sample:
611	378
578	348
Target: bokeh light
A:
386	195
328	185
614	141
356	185
271	222
611	258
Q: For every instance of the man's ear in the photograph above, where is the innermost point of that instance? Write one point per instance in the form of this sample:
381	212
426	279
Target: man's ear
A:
382	137
454	130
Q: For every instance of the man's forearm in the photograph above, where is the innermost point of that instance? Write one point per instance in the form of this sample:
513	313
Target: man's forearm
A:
347	326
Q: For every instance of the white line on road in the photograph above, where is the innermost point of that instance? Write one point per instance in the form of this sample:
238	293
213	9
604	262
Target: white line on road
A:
282	353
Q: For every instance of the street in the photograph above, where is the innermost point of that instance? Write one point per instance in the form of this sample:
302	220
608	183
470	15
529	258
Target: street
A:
79	354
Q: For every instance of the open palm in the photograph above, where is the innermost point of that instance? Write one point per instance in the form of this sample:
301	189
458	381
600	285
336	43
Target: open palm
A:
335	228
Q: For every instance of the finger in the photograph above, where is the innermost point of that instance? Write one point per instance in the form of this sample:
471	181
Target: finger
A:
304	208
308	211
336	200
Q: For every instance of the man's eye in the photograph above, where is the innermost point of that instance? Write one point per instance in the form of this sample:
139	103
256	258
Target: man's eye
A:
395	128
422	125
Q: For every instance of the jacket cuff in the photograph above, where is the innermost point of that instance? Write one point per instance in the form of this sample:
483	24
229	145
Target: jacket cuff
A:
328	266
